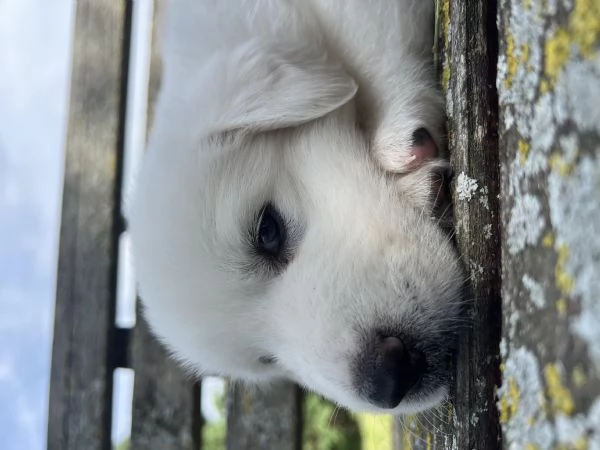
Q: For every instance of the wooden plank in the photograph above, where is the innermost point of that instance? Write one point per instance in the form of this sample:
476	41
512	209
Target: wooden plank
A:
549	88
266	417
468	52
81	374
166	401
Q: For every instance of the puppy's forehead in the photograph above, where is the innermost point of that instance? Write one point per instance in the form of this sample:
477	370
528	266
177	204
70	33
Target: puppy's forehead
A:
248	172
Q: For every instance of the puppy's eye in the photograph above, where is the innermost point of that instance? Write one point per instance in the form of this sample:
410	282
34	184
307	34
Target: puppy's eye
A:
270	236
267	360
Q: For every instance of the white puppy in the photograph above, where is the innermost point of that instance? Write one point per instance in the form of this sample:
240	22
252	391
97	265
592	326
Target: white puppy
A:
281	224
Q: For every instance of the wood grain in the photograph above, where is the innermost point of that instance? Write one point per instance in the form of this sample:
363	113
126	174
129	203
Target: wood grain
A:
81	374
467	53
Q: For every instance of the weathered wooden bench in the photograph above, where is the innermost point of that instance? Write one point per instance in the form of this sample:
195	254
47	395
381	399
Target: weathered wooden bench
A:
522	84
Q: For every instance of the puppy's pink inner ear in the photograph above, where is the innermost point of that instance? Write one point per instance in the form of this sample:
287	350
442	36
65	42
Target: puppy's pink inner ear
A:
422	149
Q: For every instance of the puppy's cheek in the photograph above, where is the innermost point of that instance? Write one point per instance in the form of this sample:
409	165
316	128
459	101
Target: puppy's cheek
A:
426	187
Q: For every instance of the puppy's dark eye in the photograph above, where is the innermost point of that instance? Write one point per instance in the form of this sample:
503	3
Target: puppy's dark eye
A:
267	360
270	236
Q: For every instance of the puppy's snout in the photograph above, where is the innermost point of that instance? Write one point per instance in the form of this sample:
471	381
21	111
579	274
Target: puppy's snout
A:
396	370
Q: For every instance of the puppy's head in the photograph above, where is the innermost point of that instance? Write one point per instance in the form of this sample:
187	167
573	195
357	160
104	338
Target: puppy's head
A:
268	243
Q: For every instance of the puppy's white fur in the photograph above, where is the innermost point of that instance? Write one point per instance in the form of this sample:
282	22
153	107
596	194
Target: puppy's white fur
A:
308	105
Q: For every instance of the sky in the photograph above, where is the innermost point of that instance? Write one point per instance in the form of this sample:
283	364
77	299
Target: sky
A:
34	75
35	52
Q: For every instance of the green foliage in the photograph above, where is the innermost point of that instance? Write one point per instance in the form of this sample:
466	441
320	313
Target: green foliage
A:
326	428
213	433
123	445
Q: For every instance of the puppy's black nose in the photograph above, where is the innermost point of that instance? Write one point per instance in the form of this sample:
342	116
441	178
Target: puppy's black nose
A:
397	369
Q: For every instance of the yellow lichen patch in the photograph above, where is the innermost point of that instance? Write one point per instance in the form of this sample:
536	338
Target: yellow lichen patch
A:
531	421
578	377
530	446
429	441
446	76
446	20
584	24
582	33
509	403
514	393
523	151
525	55
561	307
504	410
581	444
515	57
548	240
556	52
511	61
564	281
558	393
559	165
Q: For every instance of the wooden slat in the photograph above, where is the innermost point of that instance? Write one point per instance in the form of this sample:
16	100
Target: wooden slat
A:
166	401
81	377
468	54
549	88
260	418
471	54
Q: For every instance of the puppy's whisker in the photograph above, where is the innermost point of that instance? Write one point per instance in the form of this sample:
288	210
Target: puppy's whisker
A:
333	416
407	428
431	422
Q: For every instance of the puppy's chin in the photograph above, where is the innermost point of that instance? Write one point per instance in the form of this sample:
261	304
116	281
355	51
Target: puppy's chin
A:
413	404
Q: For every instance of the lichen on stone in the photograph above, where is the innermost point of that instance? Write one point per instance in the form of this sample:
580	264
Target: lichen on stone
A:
535	291
521	401
549	89
465	187
526	223
575	216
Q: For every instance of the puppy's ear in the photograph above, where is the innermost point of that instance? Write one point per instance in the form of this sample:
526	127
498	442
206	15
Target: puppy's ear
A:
269	86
